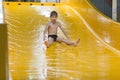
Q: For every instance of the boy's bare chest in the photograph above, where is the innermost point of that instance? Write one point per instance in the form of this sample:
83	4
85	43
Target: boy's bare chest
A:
55	26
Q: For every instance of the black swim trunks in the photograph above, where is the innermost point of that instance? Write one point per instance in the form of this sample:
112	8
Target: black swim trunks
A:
53	36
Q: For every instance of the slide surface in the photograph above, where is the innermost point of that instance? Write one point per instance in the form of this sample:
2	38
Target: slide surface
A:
96	57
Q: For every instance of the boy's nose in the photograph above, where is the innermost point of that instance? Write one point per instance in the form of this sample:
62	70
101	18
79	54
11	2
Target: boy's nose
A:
54	19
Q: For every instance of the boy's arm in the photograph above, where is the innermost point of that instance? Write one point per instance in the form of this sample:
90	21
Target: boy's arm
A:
45	31
64	31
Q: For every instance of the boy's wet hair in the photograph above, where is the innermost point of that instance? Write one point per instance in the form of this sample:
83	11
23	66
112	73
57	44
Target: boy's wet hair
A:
53	13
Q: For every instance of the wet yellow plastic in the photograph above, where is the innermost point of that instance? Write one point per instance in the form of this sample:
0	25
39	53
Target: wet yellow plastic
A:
97	56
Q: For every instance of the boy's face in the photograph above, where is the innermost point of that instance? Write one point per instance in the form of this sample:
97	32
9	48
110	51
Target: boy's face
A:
53	18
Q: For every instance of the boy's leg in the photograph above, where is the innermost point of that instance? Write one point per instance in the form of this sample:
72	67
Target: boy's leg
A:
68	41
50	41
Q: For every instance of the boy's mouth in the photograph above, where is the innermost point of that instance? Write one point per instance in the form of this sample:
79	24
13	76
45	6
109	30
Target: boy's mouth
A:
53	21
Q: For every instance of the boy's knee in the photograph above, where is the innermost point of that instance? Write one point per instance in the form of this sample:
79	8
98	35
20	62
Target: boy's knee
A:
59	40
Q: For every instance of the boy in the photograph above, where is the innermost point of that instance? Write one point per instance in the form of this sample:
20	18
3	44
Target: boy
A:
51	28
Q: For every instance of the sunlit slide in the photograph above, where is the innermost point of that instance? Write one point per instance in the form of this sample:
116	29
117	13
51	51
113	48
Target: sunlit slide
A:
96	57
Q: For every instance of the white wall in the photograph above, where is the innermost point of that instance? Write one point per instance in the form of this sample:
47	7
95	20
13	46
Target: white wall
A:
50	0
114	10
1	12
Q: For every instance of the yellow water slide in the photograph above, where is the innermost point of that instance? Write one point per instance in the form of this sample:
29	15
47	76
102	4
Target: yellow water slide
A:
97	56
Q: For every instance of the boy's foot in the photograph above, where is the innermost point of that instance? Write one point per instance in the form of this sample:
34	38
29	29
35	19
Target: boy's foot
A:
76	42
46	43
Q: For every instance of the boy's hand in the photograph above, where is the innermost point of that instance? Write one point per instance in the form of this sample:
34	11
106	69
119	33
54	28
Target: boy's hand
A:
46	43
